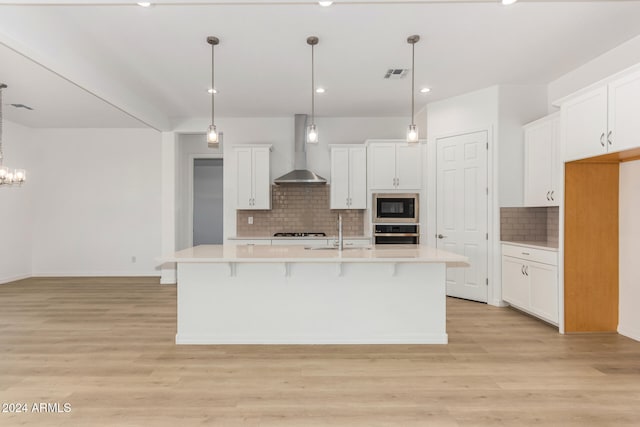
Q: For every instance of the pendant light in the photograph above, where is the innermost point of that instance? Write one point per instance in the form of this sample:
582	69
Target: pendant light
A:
8	176
412	132
213	137
312	130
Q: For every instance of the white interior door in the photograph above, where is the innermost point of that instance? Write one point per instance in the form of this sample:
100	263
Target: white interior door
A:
461	218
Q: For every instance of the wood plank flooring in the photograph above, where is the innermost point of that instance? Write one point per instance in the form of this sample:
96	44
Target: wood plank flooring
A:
106	347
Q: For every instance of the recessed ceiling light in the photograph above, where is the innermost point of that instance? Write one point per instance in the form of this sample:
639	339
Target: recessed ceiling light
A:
212	90
425	90
320	90
144	3
324	3
508	2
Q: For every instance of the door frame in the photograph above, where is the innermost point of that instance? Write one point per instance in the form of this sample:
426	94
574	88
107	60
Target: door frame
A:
190	169
494	289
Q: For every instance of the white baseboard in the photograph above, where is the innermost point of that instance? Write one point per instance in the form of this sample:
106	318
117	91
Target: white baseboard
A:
10	279
498	303
634	335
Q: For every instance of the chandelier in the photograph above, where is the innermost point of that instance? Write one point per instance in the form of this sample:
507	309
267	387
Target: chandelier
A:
8	176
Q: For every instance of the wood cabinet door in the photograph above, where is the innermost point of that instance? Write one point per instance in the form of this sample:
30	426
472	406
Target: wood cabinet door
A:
544	290
244	177
382	165
357	178
339	178
261	180
408	166
584	125
624	113
515	283
538	164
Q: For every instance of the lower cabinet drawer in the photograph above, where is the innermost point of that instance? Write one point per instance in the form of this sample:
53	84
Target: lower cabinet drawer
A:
531	254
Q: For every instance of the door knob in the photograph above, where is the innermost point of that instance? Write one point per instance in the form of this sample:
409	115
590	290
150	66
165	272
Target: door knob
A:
440	236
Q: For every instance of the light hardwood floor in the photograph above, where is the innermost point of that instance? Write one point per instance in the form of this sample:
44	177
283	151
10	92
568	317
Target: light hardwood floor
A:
106	346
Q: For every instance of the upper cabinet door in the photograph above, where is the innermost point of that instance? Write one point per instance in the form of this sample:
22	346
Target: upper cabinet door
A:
339	178
261	179
540	144
357	178
584	125
244	177
382	165
408	170
624	113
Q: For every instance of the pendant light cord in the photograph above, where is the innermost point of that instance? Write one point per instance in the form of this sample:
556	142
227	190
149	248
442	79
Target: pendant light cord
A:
413	78
213	88
313	92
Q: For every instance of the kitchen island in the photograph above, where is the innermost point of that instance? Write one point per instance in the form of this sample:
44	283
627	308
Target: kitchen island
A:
386	294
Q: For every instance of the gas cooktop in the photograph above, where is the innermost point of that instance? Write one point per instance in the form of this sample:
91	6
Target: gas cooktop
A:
304	234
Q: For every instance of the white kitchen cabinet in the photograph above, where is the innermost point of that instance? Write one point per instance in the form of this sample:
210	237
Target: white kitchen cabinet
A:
542	163
603	120
253	176
394	166
348	177
530	280
623	119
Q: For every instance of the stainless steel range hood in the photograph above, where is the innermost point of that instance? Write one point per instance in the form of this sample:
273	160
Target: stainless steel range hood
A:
300	174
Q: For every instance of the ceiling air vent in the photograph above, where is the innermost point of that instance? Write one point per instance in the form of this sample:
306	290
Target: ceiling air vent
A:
396	73
26	107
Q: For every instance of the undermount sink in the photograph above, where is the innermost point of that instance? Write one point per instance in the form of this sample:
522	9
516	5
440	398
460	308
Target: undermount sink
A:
335	248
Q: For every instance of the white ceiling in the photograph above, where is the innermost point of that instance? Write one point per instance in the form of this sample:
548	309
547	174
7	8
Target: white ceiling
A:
153	64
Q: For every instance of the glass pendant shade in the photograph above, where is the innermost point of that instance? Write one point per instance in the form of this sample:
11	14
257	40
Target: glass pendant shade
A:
212	137
412	133
312	134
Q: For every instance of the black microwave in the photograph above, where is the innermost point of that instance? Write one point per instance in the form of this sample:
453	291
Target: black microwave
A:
395	207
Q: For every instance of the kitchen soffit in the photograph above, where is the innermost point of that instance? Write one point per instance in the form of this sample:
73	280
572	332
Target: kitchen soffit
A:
125	56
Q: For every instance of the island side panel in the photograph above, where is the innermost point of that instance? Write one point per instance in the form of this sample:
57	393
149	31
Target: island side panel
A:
307	303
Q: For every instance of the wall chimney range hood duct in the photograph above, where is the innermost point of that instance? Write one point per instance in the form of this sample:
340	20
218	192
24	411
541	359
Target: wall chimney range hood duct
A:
300	174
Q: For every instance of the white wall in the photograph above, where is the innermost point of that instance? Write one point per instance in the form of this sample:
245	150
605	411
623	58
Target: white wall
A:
624	56
629	315
16	206
97	202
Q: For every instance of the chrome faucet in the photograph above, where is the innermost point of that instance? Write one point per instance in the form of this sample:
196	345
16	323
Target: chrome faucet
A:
340	240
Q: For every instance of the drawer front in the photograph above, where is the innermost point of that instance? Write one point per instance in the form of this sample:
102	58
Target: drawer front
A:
303	242
531	254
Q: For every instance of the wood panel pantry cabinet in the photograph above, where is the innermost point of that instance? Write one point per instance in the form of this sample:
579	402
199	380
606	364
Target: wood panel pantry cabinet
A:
530	280
394	165
602	120
252	169
348	177
542	162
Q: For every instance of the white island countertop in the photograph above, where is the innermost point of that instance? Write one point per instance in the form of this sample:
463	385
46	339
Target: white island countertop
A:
298	253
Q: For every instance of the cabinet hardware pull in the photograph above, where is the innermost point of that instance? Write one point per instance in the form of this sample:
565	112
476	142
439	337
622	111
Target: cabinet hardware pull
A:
522	270
609	137
440	236
526	270
602	139
548	195
525	253
552	199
